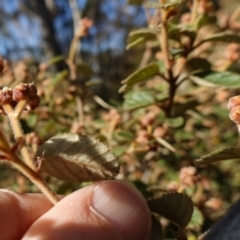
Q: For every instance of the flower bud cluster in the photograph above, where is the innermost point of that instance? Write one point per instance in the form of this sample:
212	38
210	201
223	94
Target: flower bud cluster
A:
23	91
84	25
187	176
234	107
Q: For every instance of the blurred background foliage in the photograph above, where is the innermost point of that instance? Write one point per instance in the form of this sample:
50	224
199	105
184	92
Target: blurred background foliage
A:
157	150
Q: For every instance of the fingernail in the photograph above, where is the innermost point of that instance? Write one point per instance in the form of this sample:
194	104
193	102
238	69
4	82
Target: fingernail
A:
124	208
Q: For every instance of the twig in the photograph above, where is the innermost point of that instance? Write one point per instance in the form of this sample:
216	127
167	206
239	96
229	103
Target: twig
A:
13	116
146	55
194	11
164	143
163	39
34	177
102	103
80	110
10	156
233	19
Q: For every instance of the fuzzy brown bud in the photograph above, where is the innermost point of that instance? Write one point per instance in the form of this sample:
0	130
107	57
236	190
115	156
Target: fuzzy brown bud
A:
235	115
142	136
148	119
24	91
159	132
84	25
6	96
31	90
187	176
33	103
234	102
20	92
43	67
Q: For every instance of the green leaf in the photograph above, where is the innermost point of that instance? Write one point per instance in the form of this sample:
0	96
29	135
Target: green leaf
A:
197	219
140	75
138	99
182	135
156	230
120	150
201	20
214	79
176	51
176	31
123	136
55	59
175	122
176	207
135	43
160	97
77	158
222	37
169	3
139	36
230	153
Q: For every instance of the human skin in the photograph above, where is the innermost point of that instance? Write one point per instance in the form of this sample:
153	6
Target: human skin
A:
112	210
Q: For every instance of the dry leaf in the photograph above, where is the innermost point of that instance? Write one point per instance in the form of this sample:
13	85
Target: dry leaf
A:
77	158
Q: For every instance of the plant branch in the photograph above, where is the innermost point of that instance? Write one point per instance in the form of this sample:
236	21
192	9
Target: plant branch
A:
34	177
194	11
4	145
80	110
163	39
172	92
13	116
233	19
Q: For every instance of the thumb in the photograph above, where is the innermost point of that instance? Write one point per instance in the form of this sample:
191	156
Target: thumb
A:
103	210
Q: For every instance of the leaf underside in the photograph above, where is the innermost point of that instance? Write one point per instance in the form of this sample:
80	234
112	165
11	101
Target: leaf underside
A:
138	76
230	153
77	158
156	231
176	207
217	79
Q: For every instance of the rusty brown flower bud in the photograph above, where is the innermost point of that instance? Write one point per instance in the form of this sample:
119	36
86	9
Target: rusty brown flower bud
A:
43	67
7	96
84	25
24	91
235	115
31	90
187	176
33	103
148	119
142	136
234	102
20	92
159	132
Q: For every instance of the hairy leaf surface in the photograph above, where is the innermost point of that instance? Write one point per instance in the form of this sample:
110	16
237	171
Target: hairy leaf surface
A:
77	158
